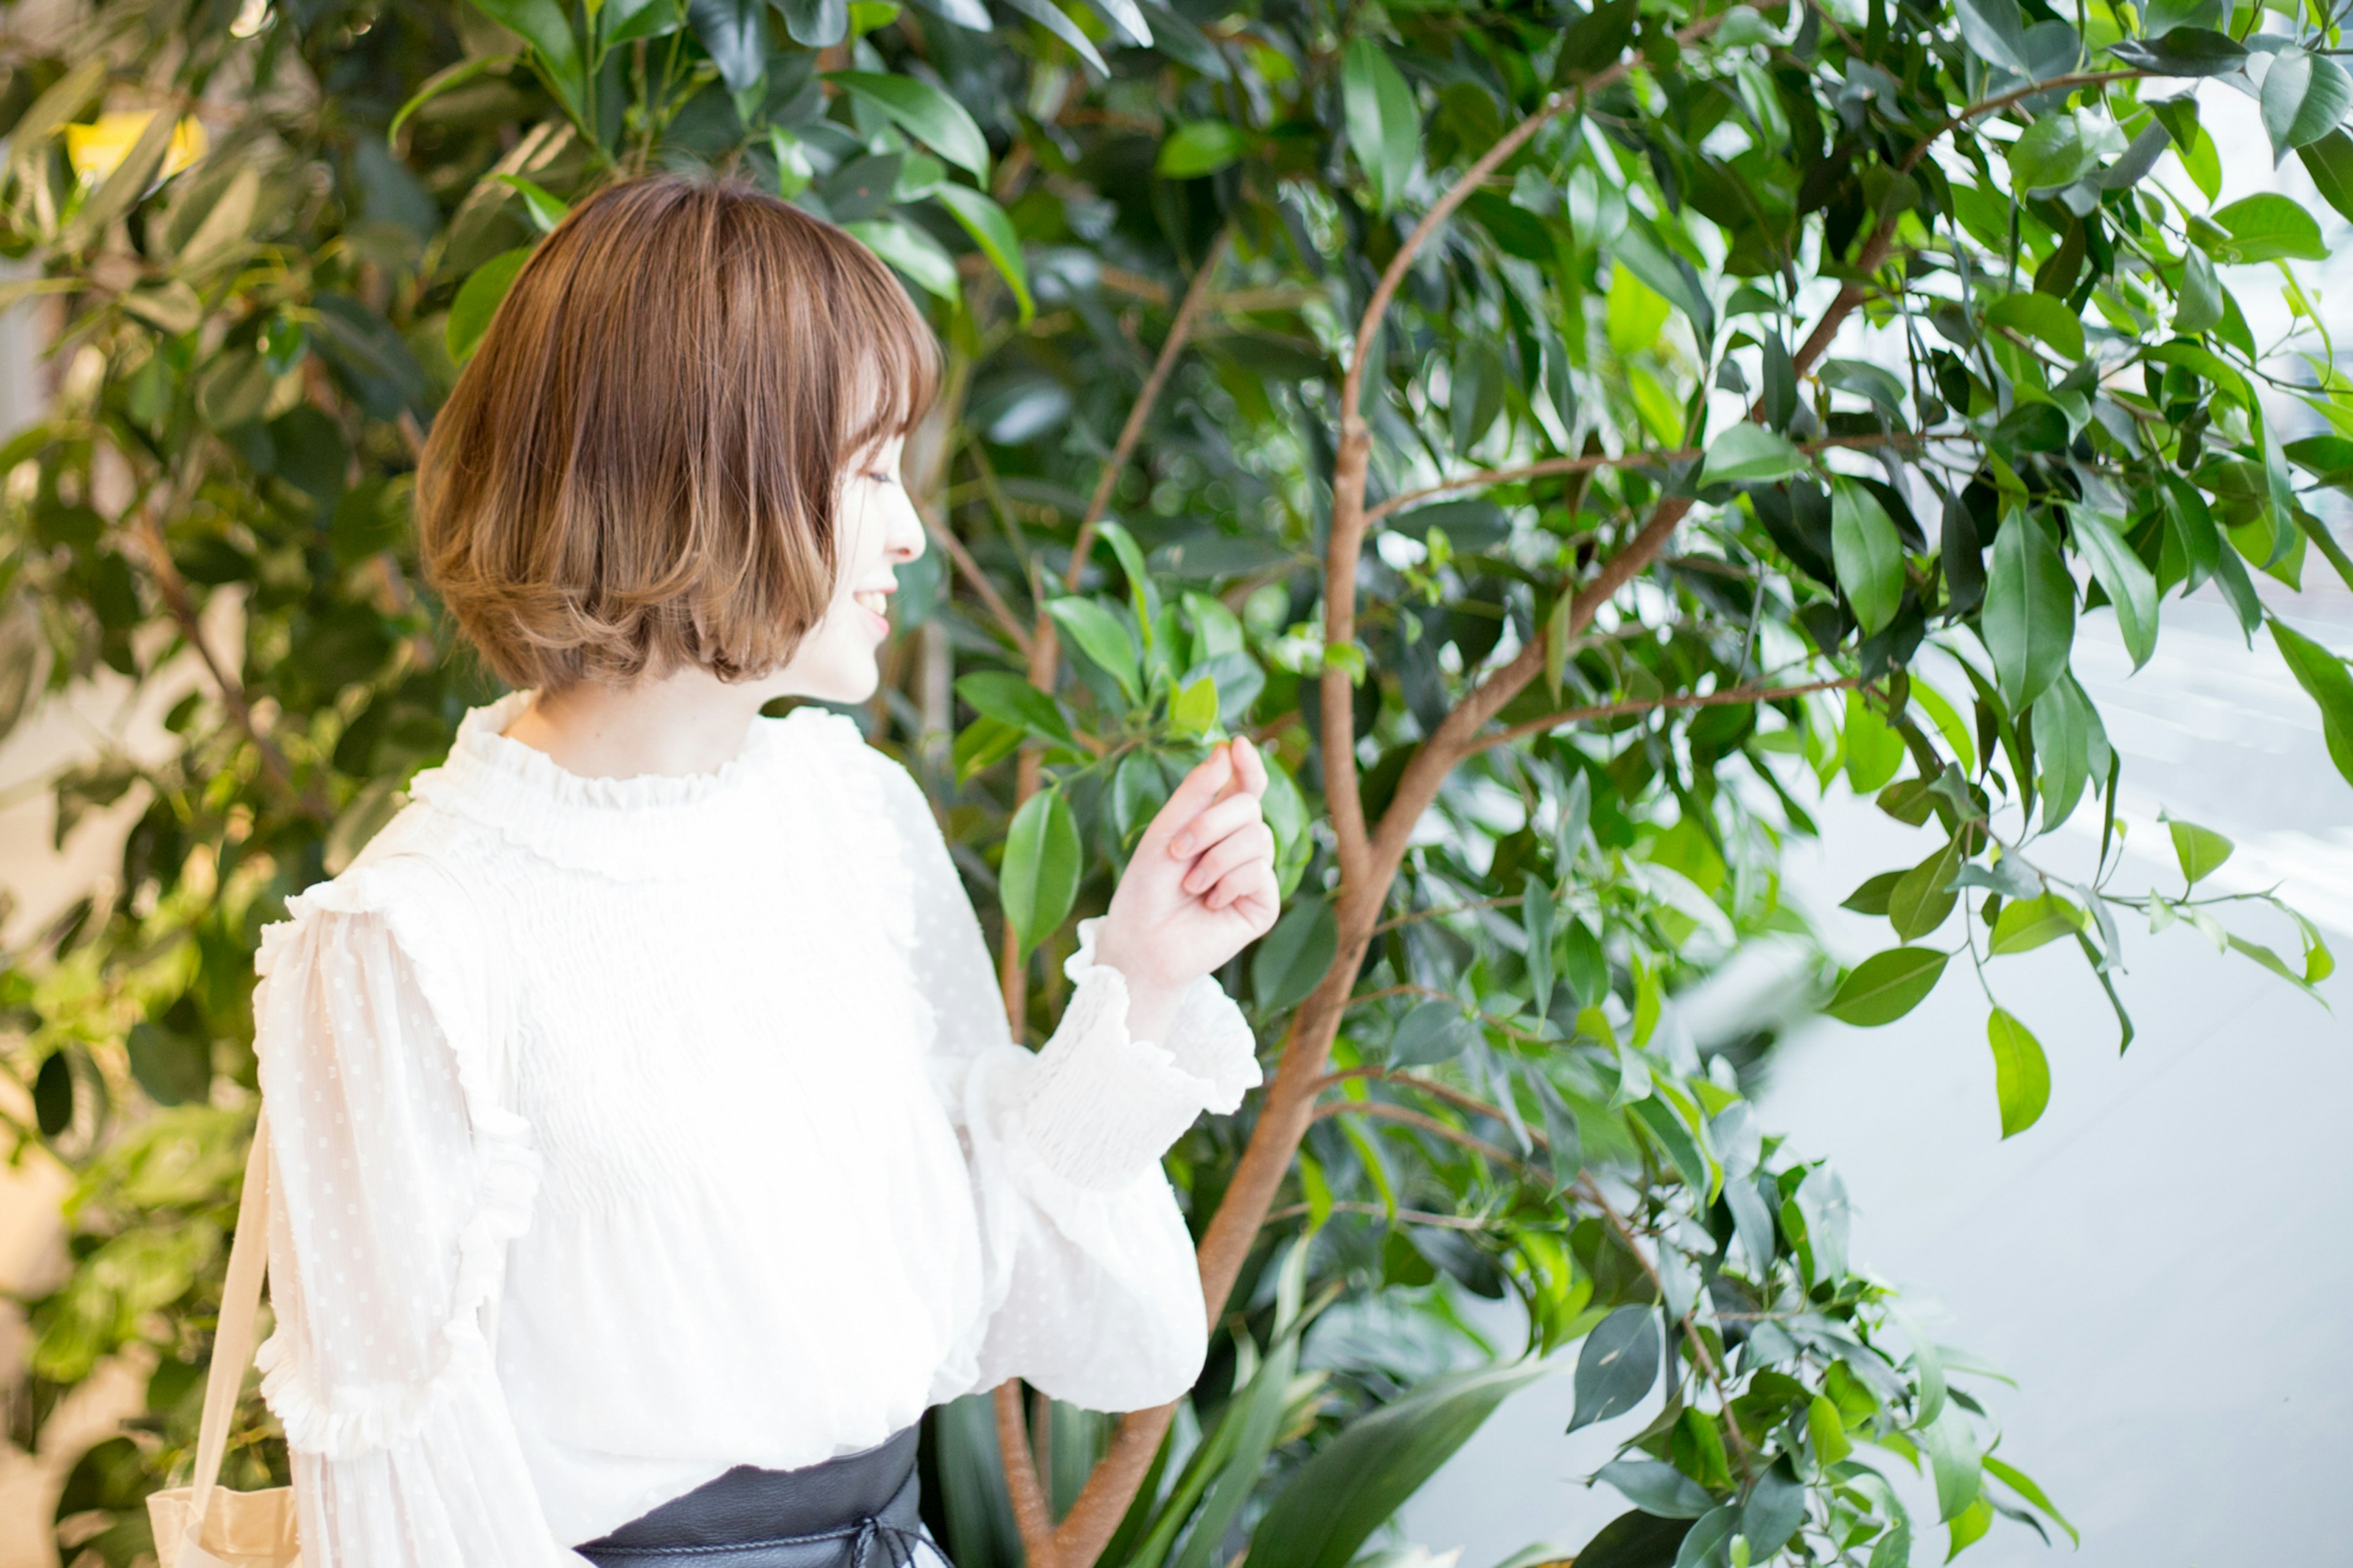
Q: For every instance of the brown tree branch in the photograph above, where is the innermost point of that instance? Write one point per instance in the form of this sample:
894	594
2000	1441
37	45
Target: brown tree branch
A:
999	610
1737	694
1384	1111
1590	461
1081	1536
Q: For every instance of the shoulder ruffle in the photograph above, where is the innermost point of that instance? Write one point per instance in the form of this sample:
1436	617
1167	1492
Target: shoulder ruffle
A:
429	915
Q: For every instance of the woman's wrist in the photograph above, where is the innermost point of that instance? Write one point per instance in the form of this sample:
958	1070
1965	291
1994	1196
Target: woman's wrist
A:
1153	998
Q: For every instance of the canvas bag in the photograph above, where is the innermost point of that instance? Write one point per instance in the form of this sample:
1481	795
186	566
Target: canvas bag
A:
206	1525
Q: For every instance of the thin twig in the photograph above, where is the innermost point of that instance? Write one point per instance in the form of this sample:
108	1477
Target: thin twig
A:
1589	462
1738	694
1427	1123
999	610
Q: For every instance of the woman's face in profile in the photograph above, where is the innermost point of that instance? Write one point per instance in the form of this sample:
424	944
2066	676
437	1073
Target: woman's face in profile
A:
878	530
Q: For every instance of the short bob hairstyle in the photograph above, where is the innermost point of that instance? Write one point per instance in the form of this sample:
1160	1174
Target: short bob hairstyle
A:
638	471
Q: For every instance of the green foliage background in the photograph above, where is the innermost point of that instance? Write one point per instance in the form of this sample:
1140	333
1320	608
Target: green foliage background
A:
1484	412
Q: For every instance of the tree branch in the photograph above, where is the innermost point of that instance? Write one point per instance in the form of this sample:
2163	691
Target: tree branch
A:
1030	1515
999	610
1737	694
1384	1111
1590	461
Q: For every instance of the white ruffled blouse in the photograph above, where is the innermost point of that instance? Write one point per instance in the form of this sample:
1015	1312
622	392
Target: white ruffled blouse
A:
630	1130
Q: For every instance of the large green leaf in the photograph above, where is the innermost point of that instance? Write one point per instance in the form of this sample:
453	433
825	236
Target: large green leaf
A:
2130	587
2325	679
1383	122
1293	957
926	113
2021	1074
2328	159
2040	316
1355	1482
2267	228
556	49
1618	1365
1100	635
1868	554
1264	1401
2028	624
2303	97
2027	923
1010	698
992	231
2199	850
1886	985
478	300
1039	878
1750	454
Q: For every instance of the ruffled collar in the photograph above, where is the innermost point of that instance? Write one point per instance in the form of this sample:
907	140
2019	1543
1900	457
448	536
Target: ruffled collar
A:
649	826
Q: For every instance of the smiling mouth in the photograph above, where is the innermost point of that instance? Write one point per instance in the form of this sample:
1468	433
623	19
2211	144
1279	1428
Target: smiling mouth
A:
876	601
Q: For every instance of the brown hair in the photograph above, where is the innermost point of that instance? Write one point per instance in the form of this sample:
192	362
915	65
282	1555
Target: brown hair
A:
638	468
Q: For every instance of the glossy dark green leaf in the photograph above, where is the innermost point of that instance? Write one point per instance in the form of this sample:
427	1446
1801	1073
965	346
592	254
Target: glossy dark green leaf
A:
1635	1540
1293	957
1433	1032
1383	122
1658	1488
2328	159
993	232
2303	97
2185	51
1867	555
1099	635
479	299
1011	700
1775	1508
1995	31
924	112
734	33
1039	879
1618	1365
2028	624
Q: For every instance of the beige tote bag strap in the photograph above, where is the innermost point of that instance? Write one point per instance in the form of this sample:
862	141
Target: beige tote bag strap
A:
248	1260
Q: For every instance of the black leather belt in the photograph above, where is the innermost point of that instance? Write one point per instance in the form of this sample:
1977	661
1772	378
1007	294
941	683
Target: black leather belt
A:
860	1511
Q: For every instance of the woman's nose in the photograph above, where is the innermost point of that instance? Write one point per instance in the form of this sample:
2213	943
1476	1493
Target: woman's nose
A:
906	539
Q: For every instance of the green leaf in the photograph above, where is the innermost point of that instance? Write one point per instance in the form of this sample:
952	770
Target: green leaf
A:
1433	1032
1876	893
2325	679
1775	1508
2185	51
1010	698
1667	275
1826	1432
1636	1540
1052	18
1657	1488
2129	586
1955	1456
1193	710
911	250
1865	548
1873	749
1617	1366
175	1067
1269	1392
2022	1076
815	24
555	50
924	112
2303	97
1291	959
1886	985
993	232
2021	1483
546	208
1383	120
53	1094
1099	635
625	21
1994	30
2040	316
478	300
1354	1483
1923	897
1593	41
1201	147
2267	228
1750	454
2027	923
441	81
2200	850
2051	154
2200	294
2028	624
1039	878
2329	161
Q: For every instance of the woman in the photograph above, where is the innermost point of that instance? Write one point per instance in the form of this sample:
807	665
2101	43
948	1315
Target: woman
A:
652	1151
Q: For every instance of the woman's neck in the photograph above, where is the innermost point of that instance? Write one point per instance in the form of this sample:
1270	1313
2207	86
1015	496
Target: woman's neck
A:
681	725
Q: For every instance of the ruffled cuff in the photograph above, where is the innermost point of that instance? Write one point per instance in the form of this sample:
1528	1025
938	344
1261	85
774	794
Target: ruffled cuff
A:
1101	1106
1207	1036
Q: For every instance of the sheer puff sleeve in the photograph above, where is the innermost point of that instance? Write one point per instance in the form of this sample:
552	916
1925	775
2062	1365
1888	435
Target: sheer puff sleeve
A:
401	1181
1092	1291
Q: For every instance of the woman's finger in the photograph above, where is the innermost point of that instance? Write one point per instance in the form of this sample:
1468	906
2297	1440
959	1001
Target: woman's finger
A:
1248	890
1250	768
1228	816
1237	847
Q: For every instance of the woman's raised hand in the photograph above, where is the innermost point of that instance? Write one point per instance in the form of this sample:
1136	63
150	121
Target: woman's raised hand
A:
1201	885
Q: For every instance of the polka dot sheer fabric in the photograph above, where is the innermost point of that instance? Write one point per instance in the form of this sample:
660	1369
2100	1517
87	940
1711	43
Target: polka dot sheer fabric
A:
631	1129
